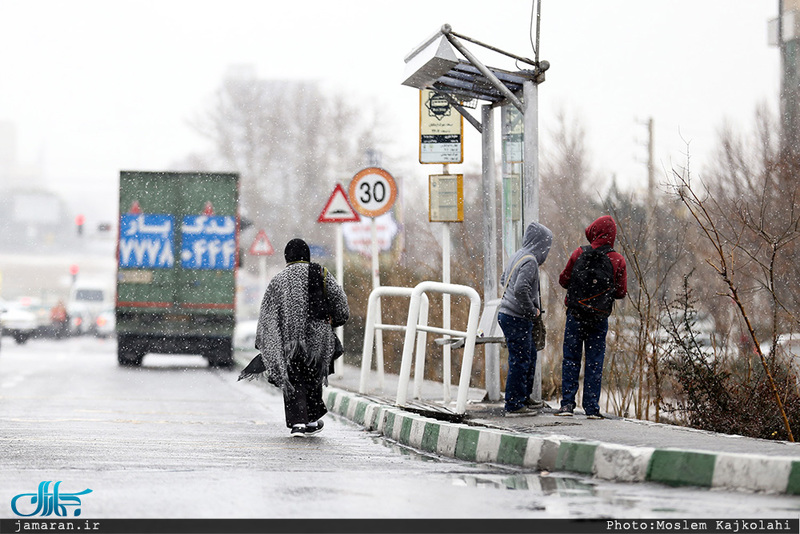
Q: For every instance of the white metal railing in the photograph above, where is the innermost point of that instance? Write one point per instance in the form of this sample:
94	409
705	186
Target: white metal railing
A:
369	336
415	324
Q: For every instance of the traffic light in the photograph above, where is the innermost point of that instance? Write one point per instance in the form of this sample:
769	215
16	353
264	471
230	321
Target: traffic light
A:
79	220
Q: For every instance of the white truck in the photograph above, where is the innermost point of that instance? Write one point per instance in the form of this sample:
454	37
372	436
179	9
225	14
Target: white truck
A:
88	298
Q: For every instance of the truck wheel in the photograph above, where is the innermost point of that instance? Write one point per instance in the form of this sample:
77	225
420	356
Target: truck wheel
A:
129	360
220	353
21	337
127	353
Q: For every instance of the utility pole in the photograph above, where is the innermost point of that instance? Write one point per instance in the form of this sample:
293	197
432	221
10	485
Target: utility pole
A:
651	168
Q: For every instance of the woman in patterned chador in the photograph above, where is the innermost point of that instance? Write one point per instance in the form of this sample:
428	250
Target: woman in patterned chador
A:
301	307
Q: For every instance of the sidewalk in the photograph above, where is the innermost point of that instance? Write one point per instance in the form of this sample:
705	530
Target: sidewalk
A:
615	448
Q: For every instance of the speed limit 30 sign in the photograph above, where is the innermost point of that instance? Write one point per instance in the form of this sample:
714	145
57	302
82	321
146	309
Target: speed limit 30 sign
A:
372	192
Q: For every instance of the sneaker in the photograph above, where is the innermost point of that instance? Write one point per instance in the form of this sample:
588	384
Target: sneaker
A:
530	403
314	428
595	416
565	411
522	412
298	431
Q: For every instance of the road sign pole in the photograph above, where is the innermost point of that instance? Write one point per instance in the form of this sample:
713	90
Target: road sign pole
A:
446	311
340	254
441	135
376	283
262	248
446	352
338	365
373	192
262	273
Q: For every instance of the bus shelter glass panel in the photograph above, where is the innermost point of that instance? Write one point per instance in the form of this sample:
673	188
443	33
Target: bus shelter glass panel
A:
513	135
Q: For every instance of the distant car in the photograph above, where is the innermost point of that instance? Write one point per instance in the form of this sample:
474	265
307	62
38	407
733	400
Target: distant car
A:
703	329
789	348
23	319
2	315
788	344
105	323
244	335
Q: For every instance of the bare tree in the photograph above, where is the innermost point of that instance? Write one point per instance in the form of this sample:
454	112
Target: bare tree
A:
569	202
724	232
756	184
290	141
653	241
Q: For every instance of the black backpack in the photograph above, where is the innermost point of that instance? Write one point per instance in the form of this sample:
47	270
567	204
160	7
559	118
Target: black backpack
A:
591	285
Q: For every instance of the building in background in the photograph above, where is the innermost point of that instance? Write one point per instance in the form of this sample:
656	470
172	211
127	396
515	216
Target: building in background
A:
33	219
784	32
41	252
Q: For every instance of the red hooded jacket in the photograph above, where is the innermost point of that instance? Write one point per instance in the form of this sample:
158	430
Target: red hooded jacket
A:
601	232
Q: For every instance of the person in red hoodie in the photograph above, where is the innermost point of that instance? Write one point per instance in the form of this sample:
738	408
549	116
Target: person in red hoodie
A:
588	308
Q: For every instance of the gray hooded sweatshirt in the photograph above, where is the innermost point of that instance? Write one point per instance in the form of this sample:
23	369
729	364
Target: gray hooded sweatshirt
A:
521	297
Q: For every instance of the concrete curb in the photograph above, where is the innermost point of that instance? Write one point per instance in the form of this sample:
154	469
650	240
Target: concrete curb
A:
673	467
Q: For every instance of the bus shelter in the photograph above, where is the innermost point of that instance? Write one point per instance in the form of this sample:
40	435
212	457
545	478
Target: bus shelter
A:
444	63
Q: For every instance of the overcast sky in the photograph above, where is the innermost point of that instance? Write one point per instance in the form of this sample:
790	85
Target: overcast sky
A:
98	86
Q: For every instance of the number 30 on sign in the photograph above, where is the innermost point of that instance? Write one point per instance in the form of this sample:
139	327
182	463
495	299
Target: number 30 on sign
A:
372	192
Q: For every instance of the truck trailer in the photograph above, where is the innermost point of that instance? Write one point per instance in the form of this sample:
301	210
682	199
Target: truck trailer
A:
177	261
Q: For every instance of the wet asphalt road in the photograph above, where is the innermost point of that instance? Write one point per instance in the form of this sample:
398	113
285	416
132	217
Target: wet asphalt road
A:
177	439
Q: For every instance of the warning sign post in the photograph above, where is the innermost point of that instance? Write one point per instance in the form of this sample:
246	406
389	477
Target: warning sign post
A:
339	210
262	247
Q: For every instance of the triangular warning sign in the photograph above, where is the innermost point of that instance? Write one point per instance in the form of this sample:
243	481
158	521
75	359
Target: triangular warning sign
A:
261	245
209	209
135	208
338	208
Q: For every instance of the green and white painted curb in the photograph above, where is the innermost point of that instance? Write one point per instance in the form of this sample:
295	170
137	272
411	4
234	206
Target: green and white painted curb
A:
675	467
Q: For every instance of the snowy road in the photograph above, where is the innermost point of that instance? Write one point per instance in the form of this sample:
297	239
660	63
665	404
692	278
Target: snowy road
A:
176	439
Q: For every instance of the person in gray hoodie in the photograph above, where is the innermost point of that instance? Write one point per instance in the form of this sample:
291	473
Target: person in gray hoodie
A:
520	304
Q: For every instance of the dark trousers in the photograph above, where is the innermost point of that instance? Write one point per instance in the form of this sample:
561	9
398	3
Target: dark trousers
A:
304	404
521	359
581	336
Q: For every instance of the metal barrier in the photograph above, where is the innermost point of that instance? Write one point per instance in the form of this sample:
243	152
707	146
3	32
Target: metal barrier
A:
489	330
415	324
369	336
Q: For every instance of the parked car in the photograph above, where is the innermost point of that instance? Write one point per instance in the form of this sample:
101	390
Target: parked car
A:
788	344
24	318
244	335
702	325
788	347
2	315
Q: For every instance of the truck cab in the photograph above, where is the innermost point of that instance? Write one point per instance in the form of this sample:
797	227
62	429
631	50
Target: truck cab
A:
87	300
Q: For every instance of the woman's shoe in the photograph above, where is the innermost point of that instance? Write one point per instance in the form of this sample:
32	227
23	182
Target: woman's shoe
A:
314	428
